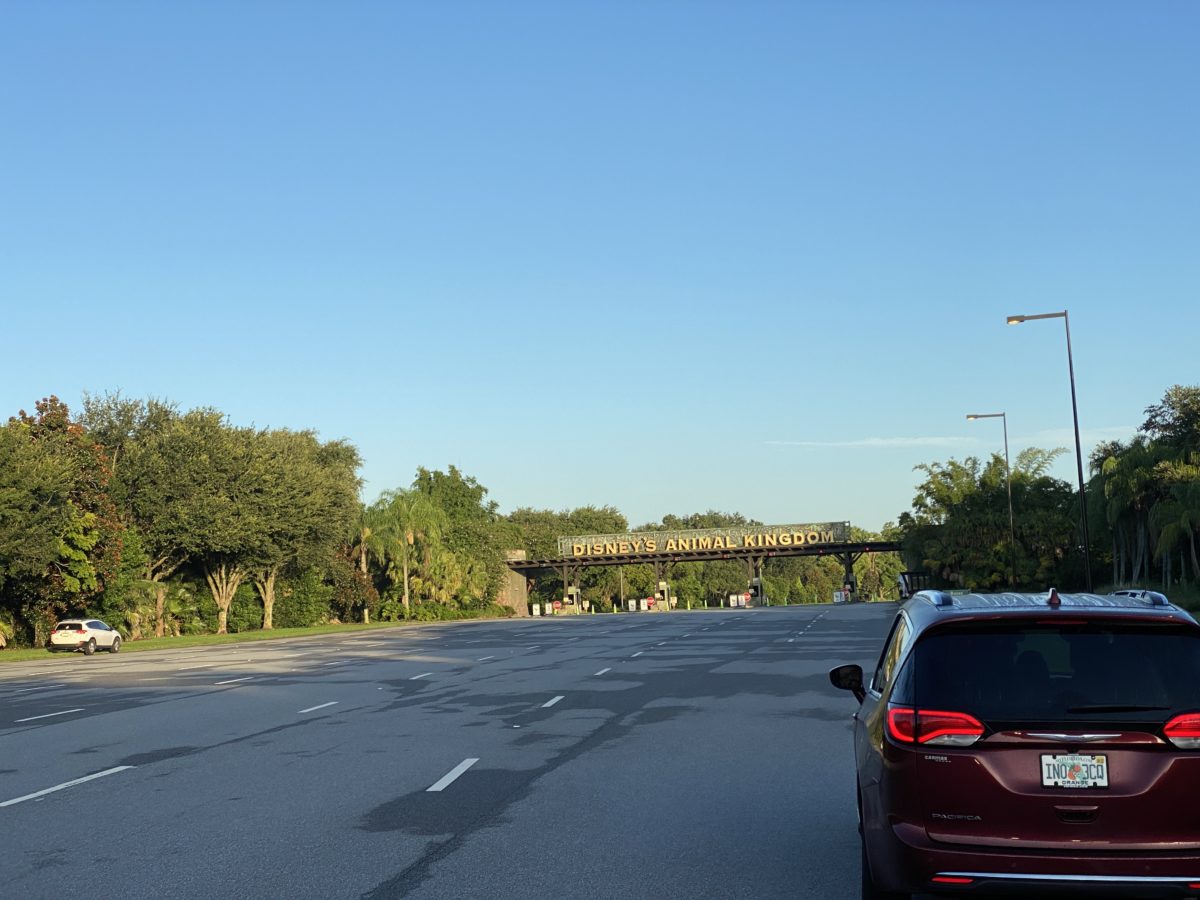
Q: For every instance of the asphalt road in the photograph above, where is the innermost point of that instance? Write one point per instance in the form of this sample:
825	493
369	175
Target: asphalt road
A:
699	754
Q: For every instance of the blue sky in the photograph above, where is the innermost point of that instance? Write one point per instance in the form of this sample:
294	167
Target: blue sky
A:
669	256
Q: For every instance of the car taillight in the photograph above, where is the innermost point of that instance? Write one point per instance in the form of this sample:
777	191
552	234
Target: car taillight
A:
1184	731
902	724
937	727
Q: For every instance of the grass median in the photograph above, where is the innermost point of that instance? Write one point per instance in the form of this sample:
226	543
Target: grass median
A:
19	654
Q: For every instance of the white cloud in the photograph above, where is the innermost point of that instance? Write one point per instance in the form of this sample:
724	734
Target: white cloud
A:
1065	437
886	442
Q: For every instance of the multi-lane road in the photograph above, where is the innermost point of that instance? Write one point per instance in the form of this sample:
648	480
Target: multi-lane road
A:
698	754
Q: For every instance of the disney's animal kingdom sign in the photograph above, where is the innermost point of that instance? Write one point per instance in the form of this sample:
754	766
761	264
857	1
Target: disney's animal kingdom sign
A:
740	538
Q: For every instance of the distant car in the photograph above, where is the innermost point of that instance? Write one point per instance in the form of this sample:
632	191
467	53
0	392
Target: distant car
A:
83	634
1038	744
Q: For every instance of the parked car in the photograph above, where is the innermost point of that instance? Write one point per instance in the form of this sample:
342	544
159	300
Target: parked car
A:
83	634
1035	744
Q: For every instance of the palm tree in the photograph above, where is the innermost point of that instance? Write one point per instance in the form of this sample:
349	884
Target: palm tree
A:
1177	514
398	521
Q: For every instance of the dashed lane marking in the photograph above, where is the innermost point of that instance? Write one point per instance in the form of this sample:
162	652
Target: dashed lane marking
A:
449	778
320	706
234	680
549	703
602	671
40	687
422	675
65	784
65	712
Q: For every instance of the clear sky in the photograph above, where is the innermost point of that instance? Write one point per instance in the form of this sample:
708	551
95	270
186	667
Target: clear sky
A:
669	256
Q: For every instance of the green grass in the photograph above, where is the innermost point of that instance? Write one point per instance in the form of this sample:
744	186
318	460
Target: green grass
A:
18	654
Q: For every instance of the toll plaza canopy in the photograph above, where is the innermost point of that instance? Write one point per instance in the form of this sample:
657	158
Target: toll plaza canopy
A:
748	542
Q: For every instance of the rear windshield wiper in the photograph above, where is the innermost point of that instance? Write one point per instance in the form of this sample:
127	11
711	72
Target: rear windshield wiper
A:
1113	708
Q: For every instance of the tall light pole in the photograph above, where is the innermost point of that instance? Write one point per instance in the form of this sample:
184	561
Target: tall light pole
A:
1012	531
1087	552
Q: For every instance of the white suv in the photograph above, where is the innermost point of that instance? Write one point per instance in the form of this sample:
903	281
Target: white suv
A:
83	634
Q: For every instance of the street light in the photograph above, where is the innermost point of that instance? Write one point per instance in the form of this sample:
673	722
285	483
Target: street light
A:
1087	553
1012	532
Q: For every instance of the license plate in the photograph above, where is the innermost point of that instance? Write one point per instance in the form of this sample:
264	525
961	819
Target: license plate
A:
1074	770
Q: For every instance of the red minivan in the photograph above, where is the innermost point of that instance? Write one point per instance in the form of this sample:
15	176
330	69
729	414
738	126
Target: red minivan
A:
1031	744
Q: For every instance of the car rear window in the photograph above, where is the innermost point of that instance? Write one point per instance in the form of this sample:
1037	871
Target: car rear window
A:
68	626
1106	672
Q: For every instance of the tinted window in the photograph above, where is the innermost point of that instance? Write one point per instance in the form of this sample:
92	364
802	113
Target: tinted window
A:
66	626
1118	672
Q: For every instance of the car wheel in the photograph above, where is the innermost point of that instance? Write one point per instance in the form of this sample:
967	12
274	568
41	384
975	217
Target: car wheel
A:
90	647
869	891
116	646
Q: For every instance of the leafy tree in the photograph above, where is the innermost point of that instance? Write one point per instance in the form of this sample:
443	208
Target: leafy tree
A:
306	498
153	449
1175	421
59	532
958	526
401	523
474	535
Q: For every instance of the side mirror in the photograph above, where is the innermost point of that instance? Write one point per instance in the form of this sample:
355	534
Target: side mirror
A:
849	678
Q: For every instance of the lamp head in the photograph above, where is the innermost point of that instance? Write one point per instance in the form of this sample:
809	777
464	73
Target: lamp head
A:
1014	320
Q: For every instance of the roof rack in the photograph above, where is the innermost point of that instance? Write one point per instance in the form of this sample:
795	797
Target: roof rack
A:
937	598
1154	598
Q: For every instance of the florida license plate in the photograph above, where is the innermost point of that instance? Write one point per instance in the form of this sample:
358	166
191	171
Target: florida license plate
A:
1074	770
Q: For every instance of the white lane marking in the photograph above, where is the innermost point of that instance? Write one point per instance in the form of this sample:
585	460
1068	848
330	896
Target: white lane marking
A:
422	675
235	680
663	644
65	784
336	662
52	715
549	703
204	666
534	647
320	706
791	640
40	687
639	653
689	634
446	780
602	671
485	658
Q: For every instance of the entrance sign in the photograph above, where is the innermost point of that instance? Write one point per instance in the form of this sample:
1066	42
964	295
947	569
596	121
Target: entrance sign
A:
740	537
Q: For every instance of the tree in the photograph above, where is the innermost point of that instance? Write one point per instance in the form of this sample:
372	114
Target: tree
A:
306	503
153	450
474	534
55	510
199	491
1175	421
958	526
35	507
400	522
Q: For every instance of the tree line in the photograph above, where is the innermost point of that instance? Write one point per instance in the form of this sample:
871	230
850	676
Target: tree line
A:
1142	498
168	522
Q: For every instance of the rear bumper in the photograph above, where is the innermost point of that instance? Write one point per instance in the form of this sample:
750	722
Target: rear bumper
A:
910	861
65	648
